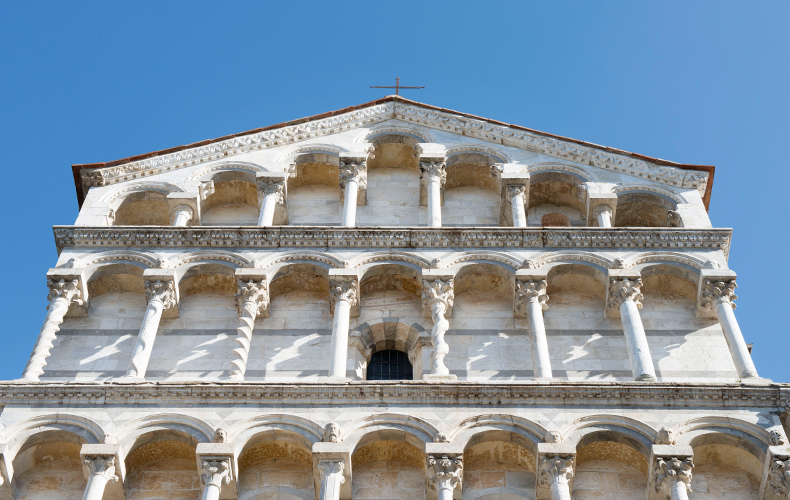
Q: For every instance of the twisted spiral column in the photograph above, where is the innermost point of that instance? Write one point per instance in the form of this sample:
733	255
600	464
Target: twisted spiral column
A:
251	298
438	295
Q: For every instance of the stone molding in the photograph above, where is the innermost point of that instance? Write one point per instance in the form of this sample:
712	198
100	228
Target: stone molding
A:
422	237
365	117
602	394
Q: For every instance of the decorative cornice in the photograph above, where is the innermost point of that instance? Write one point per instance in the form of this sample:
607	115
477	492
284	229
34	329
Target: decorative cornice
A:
423	237
601	394
420	115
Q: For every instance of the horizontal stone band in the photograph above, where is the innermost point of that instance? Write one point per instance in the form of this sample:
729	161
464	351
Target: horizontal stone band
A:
378	237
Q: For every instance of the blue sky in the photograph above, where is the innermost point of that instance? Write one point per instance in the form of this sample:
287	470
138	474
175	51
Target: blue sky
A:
693	82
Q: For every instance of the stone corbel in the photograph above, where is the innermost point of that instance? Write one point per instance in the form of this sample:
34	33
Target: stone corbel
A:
708	277
348	281
188	202
431	276
77	308
555	463
525	276
205	189
217	462
512	181
328	456
356	166
612	309
598	197
431	163
775	483
165	275
259	276
89	453
276	183
669	464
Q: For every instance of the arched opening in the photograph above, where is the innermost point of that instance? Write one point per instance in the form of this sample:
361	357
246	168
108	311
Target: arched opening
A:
611	464
388	468
393	189
234	201
314	196
143	208
48	465
501	463
726	466
555	193
276	465
161	464
471	194
642	209
389	364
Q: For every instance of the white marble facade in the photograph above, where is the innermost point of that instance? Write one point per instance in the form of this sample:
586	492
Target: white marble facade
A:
567	310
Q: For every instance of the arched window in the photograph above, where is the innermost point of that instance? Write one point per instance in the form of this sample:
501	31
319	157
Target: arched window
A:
389	365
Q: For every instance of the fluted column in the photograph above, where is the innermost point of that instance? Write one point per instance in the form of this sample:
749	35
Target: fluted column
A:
672	477
62	293
352	176
331	475
435	175
531	300
183	214
445	474
273	193
719	296
101	470
251	299
517	196
160	296
603	213
556	473
213	475
437	297
625	294
342	297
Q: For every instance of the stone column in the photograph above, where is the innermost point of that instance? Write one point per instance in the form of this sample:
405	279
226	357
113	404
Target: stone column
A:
434	175
342	297
160	295
671	477
603	213
213	475
100	470
625	295
252	299
62	294
273	192
517	196
331	474
719	296
353	176
437	300
555	471
445	473
183	214
531	301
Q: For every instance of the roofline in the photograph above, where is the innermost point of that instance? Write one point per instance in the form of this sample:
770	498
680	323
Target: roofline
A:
76	168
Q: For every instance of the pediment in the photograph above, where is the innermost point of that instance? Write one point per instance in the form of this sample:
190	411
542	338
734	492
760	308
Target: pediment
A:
397	113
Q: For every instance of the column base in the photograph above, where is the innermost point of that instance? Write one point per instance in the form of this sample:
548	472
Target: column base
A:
338	380
430	377
645	378
756	381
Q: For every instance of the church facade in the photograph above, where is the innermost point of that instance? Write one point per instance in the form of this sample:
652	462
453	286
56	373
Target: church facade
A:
393	301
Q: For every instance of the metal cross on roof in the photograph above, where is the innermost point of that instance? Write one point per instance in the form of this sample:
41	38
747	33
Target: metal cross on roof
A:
397	86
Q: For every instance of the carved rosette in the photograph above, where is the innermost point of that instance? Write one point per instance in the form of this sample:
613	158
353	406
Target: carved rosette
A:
433	172
555	469
531	291
671	470
251	295
215	472
67	290
446	473
779	478
624	290
342	290
353	172
101	465
517	194
437	291
331	433
161	291
718	291
270	187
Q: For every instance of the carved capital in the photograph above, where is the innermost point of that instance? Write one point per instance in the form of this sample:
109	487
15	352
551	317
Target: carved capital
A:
342	290
621	290
671	470
101	465
251	295
433	172
777	437
333	469
271	187
215	472
531	291
163	291
445	472
602	209
332	433
555	469
353	172
437	291
718	291
69	290
779	477
517	193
